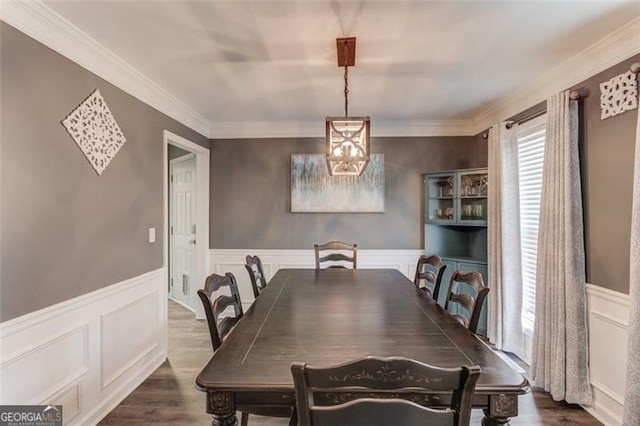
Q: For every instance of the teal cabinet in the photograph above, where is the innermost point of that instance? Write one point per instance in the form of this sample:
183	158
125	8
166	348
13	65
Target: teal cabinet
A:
456	225
457	197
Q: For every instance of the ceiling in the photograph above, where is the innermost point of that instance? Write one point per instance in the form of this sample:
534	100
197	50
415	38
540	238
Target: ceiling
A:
246	64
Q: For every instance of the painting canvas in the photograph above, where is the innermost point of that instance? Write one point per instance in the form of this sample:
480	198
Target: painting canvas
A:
314	190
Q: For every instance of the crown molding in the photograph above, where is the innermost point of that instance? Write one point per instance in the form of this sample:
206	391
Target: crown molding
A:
316	129
38	21
605	53
423	128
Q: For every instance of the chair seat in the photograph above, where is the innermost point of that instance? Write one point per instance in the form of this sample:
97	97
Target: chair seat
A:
283	412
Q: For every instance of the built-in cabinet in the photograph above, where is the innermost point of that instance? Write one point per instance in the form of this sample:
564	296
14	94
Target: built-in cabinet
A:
457	197
456	224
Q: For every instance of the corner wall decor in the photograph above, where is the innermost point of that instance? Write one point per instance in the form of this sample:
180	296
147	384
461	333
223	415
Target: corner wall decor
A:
314	190
618	95
93	128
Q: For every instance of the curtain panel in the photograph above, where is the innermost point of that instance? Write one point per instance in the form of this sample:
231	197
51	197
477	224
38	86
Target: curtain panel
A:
560	352
631	414
505	263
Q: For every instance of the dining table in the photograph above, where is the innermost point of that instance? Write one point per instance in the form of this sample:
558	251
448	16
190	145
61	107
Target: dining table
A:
330	316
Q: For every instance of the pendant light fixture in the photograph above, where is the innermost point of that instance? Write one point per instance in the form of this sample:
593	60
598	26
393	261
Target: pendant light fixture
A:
347	138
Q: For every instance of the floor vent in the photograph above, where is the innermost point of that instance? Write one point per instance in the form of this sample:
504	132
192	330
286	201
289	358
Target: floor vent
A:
70	401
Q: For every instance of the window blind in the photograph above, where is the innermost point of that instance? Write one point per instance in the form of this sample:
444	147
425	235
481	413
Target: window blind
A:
531	141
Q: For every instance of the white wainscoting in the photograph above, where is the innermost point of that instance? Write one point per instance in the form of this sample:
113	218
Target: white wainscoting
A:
608	328
89	352
222	261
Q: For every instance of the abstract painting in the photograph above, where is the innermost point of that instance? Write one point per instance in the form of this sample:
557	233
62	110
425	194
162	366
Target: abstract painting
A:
313	190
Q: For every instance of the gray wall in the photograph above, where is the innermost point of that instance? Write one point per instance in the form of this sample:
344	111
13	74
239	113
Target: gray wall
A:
250	193
65	231
607	162
606	155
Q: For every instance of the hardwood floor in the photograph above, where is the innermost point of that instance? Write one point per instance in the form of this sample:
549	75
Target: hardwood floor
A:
169	397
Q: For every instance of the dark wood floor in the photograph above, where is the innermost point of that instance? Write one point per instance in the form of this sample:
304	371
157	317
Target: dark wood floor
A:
168	395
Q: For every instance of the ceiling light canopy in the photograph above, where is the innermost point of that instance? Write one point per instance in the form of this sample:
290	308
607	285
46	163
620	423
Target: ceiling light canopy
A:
347	138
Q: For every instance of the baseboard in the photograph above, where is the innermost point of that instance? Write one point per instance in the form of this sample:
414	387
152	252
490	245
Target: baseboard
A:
95	365
233	260
608	318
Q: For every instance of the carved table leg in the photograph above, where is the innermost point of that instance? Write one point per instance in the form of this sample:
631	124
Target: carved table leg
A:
222	409
501	408
489	420
224	420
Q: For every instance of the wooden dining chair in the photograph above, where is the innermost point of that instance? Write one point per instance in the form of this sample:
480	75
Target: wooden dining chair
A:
459	286
430	270
342	394
335	254
220	326
256	274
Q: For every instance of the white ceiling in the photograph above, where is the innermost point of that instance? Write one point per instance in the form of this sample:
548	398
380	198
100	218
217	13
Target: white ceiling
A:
243	64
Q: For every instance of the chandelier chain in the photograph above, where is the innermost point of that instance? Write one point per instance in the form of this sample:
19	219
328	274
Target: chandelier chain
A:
346	80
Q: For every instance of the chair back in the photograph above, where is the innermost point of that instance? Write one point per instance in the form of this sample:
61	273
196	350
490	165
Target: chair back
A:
473	305
430	270
256	274
219	326
335	254
370	392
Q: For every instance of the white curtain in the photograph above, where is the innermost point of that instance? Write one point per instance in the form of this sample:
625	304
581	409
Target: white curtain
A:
505	263
560	361
632	395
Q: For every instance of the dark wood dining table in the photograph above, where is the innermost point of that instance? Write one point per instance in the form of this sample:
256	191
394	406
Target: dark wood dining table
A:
330	316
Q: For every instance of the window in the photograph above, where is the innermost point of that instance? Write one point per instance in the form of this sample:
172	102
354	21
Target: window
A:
531	140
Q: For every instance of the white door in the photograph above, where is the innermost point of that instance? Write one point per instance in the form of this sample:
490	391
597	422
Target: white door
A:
182	230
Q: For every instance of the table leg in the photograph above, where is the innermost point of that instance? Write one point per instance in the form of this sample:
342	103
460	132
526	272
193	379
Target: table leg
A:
224	420
221	406
501	408
489	420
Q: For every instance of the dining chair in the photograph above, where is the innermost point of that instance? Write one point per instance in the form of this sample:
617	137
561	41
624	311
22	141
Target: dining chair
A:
336	254
220	326
459	286
256	274
341	394
430	270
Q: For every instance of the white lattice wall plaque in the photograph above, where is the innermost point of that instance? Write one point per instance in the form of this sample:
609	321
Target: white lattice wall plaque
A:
618	95
93	128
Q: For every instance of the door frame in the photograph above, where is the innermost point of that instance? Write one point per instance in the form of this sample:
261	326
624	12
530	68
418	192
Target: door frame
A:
202	213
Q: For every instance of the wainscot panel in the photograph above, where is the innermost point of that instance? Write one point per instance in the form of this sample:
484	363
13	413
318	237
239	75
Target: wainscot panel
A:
82	352
608	316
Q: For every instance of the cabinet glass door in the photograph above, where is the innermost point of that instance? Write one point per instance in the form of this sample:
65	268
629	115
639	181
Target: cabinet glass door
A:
440	198
472	195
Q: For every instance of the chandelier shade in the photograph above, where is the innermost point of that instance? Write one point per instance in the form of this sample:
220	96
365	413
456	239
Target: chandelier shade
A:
347	138
347	145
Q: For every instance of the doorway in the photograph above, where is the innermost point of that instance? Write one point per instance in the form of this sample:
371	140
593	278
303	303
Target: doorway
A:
182	225
186	220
